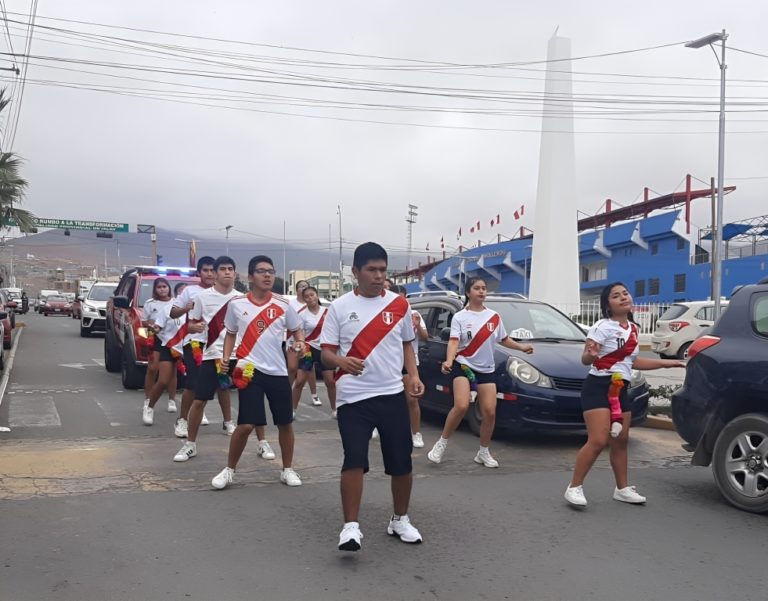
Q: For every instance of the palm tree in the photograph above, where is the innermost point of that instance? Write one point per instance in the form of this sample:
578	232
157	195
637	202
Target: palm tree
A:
12	187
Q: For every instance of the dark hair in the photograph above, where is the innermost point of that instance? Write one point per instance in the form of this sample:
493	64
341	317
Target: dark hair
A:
203	261
178	287
296	285
256	260
468	286
154	287
307	289
397	289
223	260
390	282
368	251
605	307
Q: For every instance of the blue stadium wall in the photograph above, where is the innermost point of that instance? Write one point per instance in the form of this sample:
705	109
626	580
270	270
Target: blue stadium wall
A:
652	256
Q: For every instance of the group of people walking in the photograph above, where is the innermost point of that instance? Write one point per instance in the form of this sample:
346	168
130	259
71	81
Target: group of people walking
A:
364	347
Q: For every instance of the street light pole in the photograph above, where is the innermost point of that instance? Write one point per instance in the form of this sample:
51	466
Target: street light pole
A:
229	227
717	237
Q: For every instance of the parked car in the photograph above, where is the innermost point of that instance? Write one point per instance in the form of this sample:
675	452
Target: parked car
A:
93	308
125	348
57	305
680	325
721	410
535	391
3	317
10	319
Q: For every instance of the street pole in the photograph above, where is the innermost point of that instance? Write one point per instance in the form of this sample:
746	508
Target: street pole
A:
341	262
717	234
284	275
227	228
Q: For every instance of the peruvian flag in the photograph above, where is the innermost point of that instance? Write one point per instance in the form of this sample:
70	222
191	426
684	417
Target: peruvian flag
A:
519	212
477	227
427	245
458	236
442	242
472	230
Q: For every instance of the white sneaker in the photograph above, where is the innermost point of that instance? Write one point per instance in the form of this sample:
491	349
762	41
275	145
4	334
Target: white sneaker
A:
375	435
228	427
186	452
223	479
148	415
616	428
484	456
316	400
289	477
575	496
265	451
180	429
146	403
418	441
350	537
628	494
171	406
403	528
437	452
204	421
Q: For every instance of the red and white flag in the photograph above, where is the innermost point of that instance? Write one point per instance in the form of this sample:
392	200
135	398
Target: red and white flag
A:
458	236
427	245
519	212
472	230
477	226
442	242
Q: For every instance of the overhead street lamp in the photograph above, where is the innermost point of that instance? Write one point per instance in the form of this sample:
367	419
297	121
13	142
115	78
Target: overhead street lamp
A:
227	228
717	237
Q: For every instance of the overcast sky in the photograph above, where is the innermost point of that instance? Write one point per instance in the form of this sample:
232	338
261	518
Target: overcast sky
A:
468	154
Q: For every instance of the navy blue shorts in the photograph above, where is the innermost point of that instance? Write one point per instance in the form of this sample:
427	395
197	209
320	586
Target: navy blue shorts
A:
208	380
457	372
387	413
594	394
191	366
317	362
278	392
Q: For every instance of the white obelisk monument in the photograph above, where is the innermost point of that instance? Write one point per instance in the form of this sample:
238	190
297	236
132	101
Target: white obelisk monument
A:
555	256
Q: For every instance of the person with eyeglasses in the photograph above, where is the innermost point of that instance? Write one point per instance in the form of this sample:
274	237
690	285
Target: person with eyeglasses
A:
256	325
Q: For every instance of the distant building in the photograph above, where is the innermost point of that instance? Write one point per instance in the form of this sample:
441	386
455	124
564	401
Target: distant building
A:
326	282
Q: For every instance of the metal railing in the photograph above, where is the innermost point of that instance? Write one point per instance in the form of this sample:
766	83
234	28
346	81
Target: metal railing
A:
588	312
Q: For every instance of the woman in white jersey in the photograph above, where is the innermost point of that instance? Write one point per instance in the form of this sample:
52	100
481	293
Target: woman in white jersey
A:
153	308
312	317
475	330
612	347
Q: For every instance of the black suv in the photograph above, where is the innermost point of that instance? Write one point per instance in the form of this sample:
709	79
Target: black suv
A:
541	390
722	408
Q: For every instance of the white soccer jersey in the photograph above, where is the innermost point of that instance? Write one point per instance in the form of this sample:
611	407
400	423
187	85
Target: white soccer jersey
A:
169	327
209	307
188	294
371	329
312	324
260	330
477	333
618	348
153	308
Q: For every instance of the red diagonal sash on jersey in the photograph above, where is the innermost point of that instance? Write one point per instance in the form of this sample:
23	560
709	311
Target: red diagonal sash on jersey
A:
376	330
179	336
314	334
489	327
609	360
216	325
259	324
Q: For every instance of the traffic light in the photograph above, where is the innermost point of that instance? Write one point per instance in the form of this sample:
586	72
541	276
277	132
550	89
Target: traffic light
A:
103	234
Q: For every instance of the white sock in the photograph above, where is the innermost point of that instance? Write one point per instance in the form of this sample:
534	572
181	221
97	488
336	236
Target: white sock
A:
485	449
445	440
351	524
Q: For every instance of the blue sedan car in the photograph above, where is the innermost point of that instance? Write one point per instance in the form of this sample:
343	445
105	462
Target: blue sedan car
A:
538	391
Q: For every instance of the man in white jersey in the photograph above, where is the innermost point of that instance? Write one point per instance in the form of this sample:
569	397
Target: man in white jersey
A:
256	324
367	337
209	309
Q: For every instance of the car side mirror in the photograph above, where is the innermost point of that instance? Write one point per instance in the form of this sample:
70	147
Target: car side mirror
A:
3	315
445	334
80	298
122	302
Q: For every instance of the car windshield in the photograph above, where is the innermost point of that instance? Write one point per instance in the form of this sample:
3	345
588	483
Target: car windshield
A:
100	293
57	299
145	292
673	312
532	321
14	295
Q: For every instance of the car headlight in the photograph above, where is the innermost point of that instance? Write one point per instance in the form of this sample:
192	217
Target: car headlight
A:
638	379
88	307
527	373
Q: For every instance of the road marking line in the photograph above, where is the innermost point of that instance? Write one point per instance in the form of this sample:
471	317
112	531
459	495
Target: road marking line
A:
9	366
36	412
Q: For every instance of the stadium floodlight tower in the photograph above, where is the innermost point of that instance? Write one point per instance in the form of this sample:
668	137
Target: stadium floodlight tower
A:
555	254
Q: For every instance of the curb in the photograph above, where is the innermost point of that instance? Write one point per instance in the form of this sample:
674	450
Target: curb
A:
659	422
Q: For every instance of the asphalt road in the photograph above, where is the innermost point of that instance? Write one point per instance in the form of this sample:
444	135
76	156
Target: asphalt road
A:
94	508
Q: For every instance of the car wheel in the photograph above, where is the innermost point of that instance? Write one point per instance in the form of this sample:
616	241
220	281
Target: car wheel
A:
2	360
740	462
111	352
13	320
474	418
682	352
132	375
84	332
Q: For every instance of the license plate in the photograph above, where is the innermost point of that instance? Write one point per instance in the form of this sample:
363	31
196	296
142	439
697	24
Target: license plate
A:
57	310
